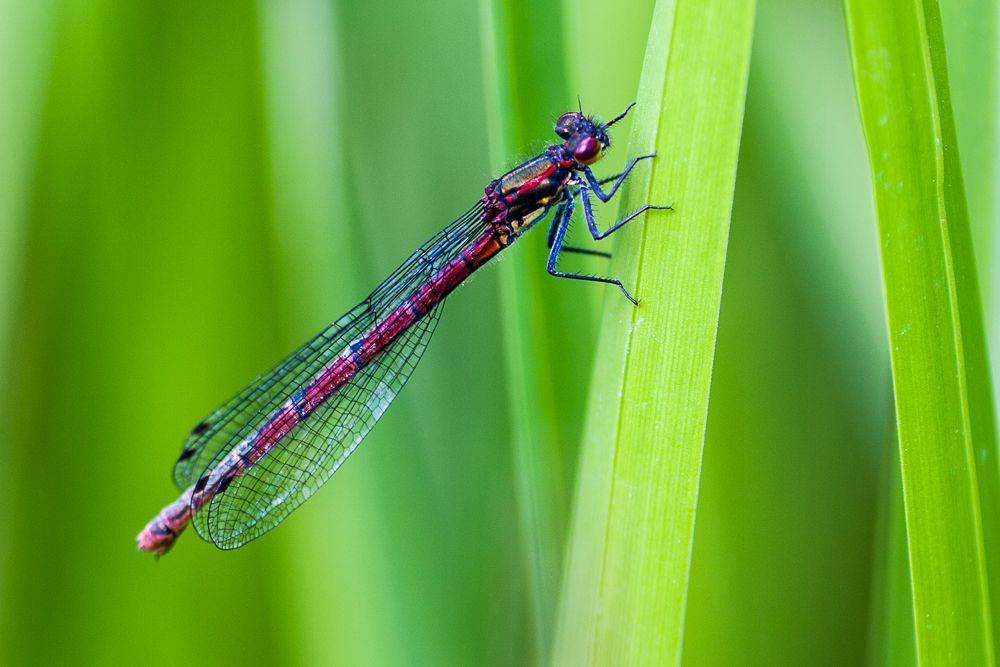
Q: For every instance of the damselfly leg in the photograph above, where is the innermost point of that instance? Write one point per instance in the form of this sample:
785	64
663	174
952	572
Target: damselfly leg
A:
588	213
561	221
554	225
562	226
595	185
582	251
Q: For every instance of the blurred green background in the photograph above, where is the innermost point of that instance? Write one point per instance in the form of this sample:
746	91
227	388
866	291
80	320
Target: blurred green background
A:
191	189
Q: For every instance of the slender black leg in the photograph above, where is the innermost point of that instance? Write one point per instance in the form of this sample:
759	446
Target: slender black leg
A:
588	213
576	190
562	224
596	185
583	251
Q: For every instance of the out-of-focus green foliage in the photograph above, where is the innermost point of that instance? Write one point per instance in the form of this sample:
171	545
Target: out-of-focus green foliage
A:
944	402
190	190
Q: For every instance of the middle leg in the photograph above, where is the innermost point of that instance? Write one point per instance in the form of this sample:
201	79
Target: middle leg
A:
561	224
588	213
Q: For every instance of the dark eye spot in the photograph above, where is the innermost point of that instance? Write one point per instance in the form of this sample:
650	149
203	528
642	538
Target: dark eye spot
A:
567	124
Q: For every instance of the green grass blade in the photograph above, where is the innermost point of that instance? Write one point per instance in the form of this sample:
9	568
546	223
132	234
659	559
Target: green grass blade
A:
25	48
397	536
313	232
970	30
121	240
546	402
25	36
944	405
891	640
624	595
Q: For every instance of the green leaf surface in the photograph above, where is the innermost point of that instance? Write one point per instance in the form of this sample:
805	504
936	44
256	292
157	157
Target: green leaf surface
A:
626	583
892	641
544	407
549	324
25	49
970	32
943	396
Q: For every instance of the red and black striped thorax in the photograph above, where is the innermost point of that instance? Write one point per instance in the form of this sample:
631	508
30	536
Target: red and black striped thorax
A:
519	198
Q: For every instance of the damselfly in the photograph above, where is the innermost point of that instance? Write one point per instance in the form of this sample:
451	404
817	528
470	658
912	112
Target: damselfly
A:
248	464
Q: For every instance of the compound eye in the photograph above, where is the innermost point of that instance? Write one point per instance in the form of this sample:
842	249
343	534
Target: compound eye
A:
566	124
587	151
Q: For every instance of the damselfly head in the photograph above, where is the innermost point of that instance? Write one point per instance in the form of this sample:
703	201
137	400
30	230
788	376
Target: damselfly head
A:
585	137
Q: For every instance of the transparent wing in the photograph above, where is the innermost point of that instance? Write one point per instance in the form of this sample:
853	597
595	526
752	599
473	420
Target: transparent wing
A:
223	425
261	498
224	428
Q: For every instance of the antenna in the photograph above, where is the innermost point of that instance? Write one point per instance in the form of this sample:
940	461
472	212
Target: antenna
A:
619	116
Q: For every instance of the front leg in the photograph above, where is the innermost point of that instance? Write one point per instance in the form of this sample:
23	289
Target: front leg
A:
595	185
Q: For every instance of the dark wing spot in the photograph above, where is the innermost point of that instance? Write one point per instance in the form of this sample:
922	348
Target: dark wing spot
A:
186	454
200	428
200	484
226	481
